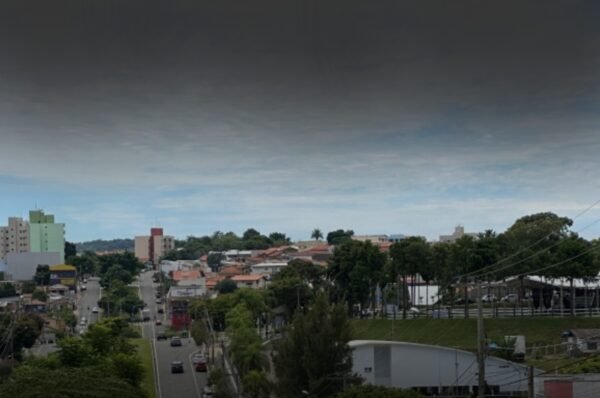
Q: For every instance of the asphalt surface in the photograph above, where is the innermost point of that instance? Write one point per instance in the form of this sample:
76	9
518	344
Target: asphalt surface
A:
181	385
88	299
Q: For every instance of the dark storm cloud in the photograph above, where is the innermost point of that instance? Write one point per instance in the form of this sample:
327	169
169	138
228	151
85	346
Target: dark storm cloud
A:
384	113
317	67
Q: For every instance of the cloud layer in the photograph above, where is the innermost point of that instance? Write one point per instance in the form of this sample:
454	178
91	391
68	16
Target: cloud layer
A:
294	115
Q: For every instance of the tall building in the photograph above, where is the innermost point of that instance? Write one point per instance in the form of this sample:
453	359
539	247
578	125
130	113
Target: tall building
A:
45	235
459	232
14	238
153	247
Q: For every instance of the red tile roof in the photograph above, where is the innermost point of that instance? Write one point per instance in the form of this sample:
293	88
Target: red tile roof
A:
185	275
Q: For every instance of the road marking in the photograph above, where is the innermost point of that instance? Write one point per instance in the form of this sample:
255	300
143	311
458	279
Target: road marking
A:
193	370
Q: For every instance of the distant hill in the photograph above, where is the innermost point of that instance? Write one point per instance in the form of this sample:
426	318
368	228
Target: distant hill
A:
100	245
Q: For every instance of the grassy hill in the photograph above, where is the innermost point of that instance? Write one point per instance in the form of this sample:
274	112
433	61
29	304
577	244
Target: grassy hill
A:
462	333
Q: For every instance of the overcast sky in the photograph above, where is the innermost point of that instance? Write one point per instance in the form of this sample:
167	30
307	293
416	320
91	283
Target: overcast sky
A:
381	117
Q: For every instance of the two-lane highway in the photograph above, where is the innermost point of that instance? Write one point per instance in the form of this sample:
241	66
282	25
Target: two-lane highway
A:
190	383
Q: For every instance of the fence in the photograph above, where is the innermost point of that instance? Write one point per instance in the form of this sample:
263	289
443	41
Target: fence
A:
488	312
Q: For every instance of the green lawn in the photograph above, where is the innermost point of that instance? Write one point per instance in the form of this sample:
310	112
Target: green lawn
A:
462	333
145	352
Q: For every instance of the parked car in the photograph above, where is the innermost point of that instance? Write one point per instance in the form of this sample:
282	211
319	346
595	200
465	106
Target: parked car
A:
461	300
176	367
510	298
176	342
207	392
95	310
161	336
200	366
161	310
158	301
158	322
83	287
489	298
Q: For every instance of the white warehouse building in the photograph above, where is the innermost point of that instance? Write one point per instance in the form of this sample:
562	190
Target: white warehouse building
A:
433	370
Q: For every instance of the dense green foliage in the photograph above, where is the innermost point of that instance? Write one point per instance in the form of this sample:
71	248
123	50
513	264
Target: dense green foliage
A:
103	356
100	245
339	236
194	247
314	356
7	289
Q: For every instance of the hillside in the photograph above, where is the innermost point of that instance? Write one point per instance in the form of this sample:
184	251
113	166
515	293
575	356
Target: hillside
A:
100	245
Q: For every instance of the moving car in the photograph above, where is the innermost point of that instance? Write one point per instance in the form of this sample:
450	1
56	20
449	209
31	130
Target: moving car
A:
83	287
197	358
95	310
158	301
176	342
176	367
161	311
161	336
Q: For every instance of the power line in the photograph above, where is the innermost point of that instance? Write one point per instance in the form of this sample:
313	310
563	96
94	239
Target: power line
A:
532	255
532	245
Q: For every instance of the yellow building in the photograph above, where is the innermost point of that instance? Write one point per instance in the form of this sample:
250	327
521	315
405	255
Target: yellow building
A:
63	274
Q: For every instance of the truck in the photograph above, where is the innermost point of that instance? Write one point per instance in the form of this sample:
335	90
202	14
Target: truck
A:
145	315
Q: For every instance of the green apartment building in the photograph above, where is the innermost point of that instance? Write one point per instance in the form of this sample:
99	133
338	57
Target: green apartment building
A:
45	235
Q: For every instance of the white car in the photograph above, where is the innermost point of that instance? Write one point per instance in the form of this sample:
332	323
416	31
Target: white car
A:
95	310
197	358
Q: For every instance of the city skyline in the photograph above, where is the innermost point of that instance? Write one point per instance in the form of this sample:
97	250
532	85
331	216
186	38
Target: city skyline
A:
389	118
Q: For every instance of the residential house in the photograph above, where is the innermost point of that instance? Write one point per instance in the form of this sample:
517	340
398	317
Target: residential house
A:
251	281
268	268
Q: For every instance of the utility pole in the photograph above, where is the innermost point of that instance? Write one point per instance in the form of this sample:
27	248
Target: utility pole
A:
480	343
530	388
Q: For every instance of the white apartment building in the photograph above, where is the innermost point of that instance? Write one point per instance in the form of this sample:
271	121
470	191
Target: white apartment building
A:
162	245
459	232
375	239
14	238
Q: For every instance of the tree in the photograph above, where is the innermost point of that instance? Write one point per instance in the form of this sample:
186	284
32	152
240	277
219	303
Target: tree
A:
575	260
371	391
39	295
70	249
339	236
68	382
226	286
214	260
408	257
315	356
316	234
250	233
42	275
355	270
116	273
127	367
28	287
279	239
74	352
256	384
86	264
7	289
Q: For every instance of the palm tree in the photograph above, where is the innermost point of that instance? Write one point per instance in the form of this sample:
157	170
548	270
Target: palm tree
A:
316	234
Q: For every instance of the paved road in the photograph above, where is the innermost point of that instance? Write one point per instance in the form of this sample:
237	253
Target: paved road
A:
190	383
89	299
